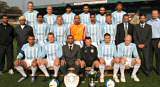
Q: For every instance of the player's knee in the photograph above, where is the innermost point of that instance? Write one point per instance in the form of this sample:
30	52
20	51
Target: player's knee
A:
83	64
77	62
116	60
96	64
34	64
122	60
57	62
16	63
138	61
102	61
62	62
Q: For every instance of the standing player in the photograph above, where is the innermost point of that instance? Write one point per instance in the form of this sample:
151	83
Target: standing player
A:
118	14
31	14
41	30
50	18
53	52
106	54
109	27
27	57
128	56
85	16
60	31
78	31
68	17
101	18
93	30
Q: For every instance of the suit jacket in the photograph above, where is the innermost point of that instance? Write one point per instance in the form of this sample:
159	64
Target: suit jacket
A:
6	35
22	34
120	35
71	55
142	35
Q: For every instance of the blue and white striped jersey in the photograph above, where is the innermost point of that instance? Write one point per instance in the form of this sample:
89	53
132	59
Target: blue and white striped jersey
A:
101	19
31	17
94	31
60	33
52	50
50	19
41	31
117	17
85	18
68	18
111	29
129	51
107	51
29	52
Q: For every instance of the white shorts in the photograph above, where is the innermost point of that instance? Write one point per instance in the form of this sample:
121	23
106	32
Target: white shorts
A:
50	63
80	43
108	62
129	62
28	62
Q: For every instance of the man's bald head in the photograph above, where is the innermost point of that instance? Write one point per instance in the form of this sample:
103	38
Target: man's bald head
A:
128	39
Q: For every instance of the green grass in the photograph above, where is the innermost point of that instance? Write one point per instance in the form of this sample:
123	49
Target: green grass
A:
7	80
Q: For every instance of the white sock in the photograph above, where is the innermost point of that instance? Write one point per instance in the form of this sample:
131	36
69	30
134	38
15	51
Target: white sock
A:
21	71
34	69
122	68
101	69
44	70
115	69
56	69
135	69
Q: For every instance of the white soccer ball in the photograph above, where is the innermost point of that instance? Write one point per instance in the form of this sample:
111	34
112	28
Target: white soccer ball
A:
53	83
110	83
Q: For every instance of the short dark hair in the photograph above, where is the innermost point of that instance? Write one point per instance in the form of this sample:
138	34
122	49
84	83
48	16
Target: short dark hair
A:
125	15
5	15
68	6
107	34
142	15
31	35
108	14
86	5
87	38
30	2
119	3
92	13
69	36
155	9
50	33
40	14
102	7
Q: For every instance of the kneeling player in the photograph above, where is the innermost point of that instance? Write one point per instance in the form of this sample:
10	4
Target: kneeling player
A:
53	52
128	56
30	52
106	54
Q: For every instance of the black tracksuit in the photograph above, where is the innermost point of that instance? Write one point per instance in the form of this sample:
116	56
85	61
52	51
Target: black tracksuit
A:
6	45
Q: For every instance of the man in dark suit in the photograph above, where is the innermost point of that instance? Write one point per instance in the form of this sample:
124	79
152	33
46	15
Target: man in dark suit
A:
71	56
6	44
142	38
22	31
123	29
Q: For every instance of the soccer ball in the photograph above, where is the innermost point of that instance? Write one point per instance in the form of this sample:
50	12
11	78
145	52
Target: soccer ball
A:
53	83
110	83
